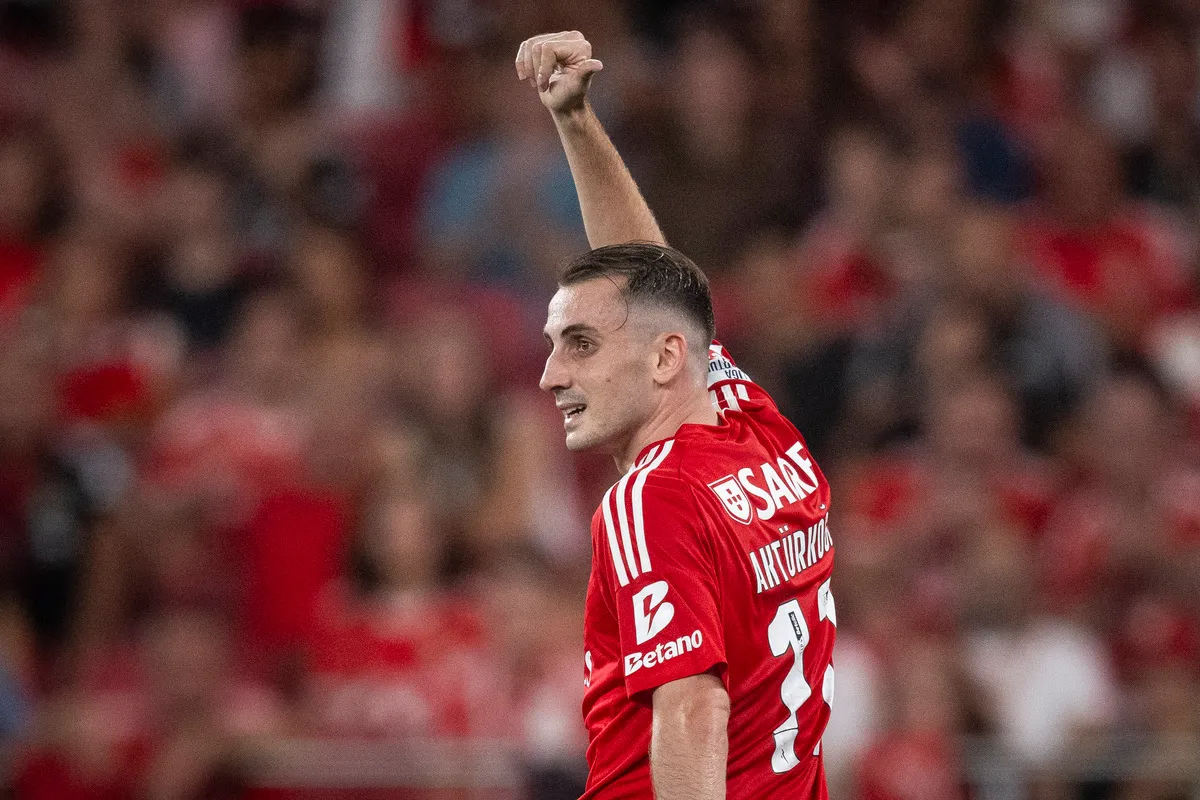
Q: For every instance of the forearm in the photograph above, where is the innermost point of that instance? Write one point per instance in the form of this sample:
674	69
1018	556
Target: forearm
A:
689	747
614	211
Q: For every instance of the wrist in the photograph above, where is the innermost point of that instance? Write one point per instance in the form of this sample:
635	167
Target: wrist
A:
573	118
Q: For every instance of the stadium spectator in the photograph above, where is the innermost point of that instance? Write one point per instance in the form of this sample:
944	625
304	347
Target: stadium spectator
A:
271	285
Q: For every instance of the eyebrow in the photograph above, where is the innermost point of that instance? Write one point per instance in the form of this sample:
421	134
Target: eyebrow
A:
572	330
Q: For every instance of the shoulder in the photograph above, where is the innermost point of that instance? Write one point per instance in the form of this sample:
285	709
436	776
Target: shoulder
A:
647	502
657	473
658	477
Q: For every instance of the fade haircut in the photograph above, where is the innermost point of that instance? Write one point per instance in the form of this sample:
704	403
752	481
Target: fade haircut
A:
654	274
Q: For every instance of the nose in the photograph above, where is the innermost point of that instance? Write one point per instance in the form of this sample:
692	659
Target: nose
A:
554	376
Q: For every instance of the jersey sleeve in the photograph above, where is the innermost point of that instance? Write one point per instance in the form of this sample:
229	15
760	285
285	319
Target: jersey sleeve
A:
665	583
729	388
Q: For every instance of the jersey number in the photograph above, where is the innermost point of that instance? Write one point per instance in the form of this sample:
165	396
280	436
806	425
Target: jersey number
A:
789	631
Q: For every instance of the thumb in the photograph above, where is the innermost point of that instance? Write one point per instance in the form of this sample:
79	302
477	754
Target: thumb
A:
578	75
590	66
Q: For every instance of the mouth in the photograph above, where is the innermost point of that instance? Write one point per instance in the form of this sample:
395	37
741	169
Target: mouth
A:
571	412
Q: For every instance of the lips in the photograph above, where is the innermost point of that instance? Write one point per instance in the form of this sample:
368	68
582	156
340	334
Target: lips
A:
571	411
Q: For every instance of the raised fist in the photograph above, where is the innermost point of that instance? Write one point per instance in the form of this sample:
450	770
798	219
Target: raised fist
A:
560	66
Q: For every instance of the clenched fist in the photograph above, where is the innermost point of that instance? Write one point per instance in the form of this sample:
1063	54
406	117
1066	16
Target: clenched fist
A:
560	66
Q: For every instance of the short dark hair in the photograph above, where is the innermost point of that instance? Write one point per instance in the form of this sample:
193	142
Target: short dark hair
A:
653	273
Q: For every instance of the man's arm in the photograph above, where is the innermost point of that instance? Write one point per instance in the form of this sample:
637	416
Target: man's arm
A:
560	66
689	742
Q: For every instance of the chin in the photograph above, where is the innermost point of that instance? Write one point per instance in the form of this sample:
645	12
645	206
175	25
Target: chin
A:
581	441
577	443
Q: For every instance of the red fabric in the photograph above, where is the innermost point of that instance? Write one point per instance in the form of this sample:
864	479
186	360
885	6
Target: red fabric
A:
886	490
374	793
120	731
1180	498
841	285
850	288
20	267
141	165
226	445
397	158
110	737
420	667
416	45
50	776
1028	89
295	546
107	391
1088	543
911	766
1156	634
713	555
1128	270
889	491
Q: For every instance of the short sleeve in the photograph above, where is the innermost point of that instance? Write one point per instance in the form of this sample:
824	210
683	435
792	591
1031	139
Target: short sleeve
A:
665	585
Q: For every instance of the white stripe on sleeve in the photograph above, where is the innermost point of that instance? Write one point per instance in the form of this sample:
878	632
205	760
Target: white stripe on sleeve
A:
612	539
623	520
639	523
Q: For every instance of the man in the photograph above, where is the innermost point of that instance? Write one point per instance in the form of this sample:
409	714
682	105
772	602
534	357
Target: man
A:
709	623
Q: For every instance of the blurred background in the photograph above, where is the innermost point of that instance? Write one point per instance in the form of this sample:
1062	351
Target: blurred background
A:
283	515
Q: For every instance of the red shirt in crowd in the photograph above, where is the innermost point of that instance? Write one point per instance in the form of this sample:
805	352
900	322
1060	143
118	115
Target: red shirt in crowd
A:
413	666
1129	270
713	554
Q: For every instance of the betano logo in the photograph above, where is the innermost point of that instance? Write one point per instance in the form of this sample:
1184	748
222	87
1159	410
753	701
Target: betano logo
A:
650	613
663	652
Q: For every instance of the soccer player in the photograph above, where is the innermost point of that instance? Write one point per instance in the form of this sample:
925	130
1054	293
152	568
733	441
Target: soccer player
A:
709	622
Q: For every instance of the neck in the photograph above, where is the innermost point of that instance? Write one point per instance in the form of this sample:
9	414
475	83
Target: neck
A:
665	422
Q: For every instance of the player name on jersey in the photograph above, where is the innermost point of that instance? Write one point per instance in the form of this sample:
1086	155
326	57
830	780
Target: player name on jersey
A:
791	554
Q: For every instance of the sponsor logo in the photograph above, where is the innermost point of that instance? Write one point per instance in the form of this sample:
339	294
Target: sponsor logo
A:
650	613
663	652
768	488
730	493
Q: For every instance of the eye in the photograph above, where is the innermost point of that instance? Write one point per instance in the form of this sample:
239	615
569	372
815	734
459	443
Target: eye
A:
584	346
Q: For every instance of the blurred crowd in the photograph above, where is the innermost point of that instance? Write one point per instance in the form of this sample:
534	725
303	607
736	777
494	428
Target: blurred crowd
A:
273	464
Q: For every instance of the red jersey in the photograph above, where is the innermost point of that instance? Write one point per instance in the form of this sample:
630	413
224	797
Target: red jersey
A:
713	554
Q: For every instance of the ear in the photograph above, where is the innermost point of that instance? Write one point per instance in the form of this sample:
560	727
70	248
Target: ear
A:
670	357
